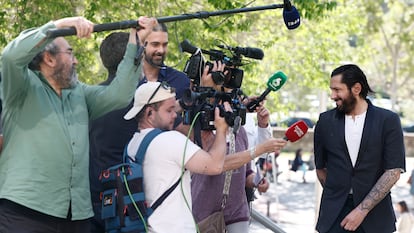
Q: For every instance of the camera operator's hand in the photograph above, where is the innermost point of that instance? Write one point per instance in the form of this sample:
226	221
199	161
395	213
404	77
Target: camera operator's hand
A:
207	77
220	121
145	26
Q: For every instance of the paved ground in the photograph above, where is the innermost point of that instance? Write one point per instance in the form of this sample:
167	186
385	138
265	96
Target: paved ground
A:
291	203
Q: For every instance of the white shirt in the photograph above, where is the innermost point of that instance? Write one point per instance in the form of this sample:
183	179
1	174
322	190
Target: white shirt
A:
255	134
353	134
405	223
162	168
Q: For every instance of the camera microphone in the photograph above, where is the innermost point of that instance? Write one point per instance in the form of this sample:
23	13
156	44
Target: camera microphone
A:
275	82
296	131
249	52
186	46
290	15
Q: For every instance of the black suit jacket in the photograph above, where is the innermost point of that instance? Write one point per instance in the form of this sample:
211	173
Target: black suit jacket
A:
382	148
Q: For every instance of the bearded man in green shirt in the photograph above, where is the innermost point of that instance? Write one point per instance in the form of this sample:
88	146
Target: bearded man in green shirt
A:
44	184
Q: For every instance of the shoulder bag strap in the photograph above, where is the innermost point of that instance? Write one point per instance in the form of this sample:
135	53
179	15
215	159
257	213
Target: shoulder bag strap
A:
164	196
227	180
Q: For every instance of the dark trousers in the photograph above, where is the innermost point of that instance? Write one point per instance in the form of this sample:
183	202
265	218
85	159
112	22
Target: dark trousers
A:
97	224
348	207
15	218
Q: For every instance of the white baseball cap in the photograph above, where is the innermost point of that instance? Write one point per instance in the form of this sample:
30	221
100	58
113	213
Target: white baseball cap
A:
149	93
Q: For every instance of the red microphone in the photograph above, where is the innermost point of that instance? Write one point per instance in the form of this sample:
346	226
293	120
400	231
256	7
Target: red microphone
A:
296	131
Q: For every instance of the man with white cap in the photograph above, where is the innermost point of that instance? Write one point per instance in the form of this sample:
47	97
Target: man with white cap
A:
171	155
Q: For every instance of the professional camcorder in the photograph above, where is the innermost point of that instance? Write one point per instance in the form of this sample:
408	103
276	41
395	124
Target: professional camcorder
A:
203	100
196	63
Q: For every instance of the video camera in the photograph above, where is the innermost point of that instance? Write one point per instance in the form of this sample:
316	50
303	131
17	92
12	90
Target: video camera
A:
195	65
198	101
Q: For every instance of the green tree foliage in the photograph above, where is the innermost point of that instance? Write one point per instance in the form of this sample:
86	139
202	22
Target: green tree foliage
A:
300	53
16	16
377	35
390	30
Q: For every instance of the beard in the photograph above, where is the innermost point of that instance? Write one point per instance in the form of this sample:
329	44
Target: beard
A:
66	77
348	104
154	62
166	126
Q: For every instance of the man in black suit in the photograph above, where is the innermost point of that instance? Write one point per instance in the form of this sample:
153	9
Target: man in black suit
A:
359	155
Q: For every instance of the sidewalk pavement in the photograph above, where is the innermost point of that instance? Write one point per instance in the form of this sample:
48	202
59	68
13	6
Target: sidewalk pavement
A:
291	203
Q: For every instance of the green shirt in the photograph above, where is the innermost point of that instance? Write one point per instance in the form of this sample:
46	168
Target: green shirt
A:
45	159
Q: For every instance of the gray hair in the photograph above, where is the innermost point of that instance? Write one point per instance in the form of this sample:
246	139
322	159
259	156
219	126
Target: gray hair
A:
51	48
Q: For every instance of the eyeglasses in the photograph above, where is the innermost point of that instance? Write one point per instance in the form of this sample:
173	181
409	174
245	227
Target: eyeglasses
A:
70	52
164	85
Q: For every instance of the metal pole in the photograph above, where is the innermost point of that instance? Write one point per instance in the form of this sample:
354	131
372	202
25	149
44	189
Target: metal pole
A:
52	33
265	221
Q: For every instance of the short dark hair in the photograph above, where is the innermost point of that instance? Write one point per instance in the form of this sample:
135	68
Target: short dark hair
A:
112	49
160	27
52	48
140	116
352	74
404	207
298	152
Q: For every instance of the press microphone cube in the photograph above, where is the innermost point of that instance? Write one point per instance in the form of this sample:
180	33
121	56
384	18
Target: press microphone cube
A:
276	81
296	131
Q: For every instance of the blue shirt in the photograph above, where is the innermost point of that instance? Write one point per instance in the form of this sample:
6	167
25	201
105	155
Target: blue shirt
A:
44	163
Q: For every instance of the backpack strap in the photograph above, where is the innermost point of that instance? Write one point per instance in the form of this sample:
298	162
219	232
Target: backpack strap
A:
139	158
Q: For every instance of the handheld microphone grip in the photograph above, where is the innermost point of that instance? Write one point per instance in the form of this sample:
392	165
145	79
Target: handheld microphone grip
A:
251	107
52	33
296	131
275	82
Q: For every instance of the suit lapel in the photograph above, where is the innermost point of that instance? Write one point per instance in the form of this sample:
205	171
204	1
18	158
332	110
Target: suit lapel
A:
340	128
366	132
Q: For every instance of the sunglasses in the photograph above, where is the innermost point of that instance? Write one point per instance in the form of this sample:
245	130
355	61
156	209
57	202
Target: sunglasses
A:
165	86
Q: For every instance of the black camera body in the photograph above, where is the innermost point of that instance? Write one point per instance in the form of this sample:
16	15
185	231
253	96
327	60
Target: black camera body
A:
204	100
196	63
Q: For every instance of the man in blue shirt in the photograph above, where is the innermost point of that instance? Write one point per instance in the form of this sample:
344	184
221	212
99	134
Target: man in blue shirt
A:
110	133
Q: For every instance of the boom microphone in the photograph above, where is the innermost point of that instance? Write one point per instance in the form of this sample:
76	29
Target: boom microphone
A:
296	131
249	52
52	33
290	15
275	82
